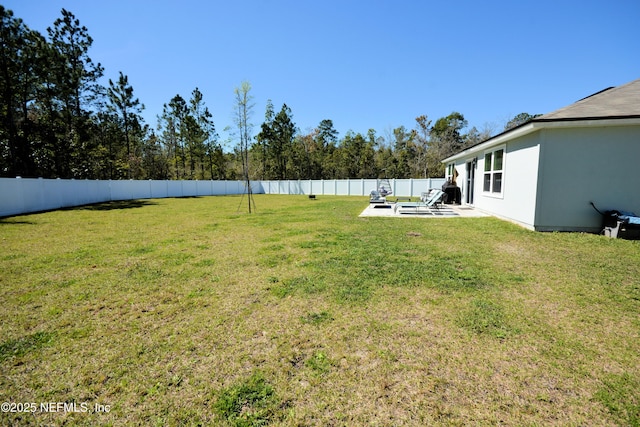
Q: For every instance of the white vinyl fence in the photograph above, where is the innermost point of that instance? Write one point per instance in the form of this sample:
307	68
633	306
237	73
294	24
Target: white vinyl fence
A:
24	195
346	187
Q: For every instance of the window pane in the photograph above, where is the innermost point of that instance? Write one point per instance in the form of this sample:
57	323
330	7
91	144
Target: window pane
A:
487	182
497	160
497	182
487	162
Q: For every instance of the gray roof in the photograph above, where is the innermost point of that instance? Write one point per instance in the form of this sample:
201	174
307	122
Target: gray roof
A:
616	102
622	102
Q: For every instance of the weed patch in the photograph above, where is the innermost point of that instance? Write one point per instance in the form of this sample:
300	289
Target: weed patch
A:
303	285
142	250
317	318
143	272
352	292
21	346
485	317
319	363
450	272
250	403
620	394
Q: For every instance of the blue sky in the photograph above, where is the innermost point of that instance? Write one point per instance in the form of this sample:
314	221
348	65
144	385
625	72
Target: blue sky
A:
362	64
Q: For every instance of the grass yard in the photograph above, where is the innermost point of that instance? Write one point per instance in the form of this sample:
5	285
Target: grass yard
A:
192	312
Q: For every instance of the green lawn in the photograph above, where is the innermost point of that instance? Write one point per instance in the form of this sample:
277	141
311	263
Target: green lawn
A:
193	312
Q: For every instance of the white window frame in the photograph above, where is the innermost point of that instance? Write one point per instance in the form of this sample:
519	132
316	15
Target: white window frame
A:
493	172
449	171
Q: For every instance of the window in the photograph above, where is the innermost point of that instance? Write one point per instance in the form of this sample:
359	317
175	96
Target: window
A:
493	171
449	173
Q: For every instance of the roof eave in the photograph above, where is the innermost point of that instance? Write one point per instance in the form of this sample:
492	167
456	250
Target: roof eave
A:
537	124
513	133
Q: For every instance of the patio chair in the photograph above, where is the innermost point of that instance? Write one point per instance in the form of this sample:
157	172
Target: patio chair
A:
376	197
384	191
433	197
429	200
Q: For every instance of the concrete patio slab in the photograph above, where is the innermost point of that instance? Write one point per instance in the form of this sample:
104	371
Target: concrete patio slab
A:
399	211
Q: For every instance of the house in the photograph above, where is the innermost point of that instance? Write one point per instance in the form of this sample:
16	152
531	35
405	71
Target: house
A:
545	173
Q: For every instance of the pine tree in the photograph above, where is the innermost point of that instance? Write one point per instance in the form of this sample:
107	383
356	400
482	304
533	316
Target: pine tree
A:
74	88
127	109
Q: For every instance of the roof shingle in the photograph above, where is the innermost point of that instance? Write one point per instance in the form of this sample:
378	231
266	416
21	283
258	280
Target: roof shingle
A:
621	101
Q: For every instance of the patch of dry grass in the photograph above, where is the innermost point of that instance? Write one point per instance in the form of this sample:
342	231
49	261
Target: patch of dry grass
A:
188	312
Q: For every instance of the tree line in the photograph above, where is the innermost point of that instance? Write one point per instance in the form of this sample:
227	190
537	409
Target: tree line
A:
59	121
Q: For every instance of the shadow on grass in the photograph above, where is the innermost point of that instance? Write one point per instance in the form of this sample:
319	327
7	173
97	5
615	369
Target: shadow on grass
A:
11	221
115	205
105	206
